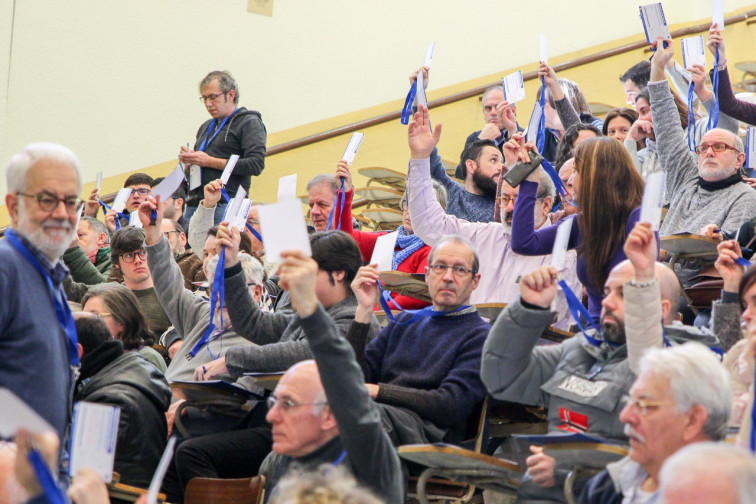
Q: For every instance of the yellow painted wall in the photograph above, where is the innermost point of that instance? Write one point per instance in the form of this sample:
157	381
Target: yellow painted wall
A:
385	144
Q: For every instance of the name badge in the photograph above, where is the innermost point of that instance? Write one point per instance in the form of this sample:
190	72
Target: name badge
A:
195	177
582	387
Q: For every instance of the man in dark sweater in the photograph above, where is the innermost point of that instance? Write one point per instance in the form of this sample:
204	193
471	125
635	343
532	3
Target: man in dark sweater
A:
231	131
424	372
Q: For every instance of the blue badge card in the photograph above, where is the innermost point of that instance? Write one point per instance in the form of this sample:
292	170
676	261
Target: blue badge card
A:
98	181
134	219
654	22
693	51
531	132
750	150
653	199
354	143
717	13
229	168
561	242
94	433
157	478
232	209
429	54
119	203
543	49
514	87
421	98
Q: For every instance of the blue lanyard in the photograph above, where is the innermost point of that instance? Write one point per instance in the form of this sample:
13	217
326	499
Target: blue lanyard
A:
121	215
554	176
218	291
207	141
53	493
714	108
62	311
407	109
576	310
541	138
416	314
336	204
691	120
743	262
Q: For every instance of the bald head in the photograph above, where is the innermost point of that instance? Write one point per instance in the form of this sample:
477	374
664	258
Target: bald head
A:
668	285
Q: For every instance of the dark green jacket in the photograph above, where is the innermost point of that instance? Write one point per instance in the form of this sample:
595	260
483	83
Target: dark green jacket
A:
82	269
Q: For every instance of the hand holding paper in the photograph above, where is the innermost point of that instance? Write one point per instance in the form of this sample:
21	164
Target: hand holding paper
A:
383	252
229	237
343	172
549	77
425	71
716	41
514	87
153	234
365	288
727	265
229	169
693	51
640	249
213	193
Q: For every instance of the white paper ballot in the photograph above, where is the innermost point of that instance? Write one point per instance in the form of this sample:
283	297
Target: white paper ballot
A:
653	199
561	241
429	54
98	181
531	132
693	50
654	22
420	95
283	227
543	49
229	168
717	13
195	177
134	219
750	160
93	438
514	87
287	186
17	414
351	149
157	478
119	203
383	252
240	220
232	209
169	184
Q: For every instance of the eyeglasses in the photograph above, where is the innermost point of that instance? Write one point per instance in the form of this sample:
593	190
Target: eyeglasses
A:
142	191
167	234
641	407
288	404
210	97
459	271
716	147
504	200
128	257
48	202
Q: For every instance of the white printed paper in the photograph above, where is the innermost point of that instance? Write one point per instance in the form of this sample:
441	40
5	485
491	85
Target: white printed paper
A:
229	168
383	252
134	219
195	177
420	95
98	181
19	415
693	50
717	13
429	54
543	49
119	203
750	160
232	209
157	478
93	438
169	184
654	22
653	199
561	241
351	149
531	132
283	227
514	87
240	220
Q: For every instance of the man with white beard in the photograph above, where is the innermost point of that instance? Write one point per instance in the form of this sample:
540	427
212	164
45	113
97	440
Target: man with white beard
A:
38	343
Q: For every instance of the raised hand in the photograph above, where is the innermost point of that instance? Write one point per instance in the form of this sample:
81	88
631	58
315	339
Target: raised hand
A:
342	170
550	78
426	71
298	274
421	140
640	249
153	234
661	57
539	287
365	288
229	237
212	193
731	272
716	40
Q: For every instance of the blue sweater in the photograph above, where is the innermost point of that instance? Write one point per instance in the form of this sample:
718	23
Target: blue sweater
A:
465	205
34	347
431	367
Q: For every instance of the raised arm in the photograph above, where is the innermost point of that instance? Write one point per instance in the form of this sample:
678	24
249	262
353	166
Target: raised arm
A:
203	218
564	108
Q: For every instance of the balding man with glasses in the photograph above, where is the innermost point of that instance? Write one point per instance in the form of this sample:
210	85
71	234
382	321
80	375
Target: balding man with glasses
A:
232	130
38	343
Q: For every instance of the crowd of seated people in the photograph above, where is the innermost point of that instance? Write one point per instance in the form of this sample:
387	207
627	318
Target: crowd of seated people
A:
133	303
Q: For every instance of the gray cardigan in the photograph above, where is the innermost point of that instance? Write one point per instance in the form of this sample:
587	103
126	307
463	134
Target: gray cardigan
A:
279	335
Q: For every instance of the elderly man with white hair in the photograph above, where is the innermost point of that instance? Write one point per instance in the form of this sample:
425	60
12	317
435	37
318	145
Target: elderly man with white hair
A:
709	472
37	330
681	396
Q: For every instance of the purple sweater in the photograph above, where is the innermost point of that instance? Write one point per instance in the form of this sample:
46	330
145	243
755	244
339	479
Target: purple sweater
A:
527	241
730	105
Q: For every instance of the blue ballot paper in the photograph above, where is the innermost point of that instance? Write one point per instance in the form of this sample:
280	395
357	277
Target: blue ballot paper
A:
654	23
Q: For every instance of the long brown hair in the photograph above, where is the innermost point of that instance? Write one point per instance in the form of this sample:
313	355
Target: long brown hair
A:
609	189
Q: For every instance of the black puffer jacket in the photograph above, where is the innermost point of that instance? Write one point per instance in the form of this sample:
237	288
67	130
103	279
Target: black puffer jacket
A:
129	381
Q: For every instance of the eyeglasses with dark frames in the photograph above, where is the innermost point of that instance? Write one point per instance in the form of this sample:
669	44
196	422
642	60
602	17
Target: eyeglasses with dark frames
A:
48	202
211	97
128	257
458	271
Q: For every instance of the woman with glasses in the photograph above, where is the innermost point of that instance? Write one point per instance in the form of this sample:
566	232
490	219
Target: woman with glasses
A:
608	193
119	308
410	252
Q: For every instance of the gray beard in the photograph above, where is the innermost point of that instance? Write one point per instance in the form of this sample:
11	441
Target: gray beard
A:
51	246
